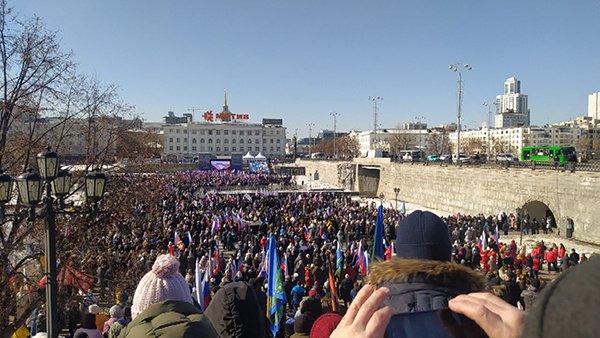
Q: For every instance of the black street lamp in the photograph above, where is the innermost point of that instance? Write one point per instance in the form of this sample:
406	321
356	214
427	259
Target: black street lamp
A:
5	191
95	182
31	187
396	191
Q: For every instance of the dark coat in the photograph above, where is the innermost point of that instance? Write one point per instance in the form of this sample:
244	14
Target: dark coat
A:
423	285
170	319
235	312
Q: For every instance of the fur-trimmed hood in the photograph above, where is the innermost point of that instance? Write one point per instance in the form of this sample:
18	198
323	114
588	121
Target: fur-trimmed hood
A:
423	285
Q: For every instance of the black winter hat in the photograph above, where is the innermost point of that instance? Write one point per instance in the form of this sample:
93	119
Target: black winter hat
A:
423	235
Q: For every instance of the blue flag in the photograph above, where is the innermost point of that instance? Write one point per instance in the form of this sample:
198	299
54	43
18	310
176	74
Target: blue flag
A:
339	258
275	293
378	240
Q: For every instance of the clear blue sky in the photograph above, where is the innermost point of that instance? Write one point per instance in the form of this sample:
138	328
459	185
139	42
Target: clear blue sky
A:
301	60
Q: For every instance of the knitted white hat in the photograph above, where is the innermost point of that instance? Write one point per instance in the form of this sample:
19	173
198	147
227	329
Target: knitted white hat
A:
164	282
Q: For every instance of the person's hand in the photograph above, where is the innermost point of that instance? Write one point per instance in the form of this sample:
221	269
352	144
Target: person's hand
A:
496	317
366	317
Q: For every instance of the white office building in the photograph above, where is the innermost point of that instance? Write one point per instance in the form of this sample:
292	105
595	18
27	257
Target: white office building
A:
594	106
511	140
223	134
512	106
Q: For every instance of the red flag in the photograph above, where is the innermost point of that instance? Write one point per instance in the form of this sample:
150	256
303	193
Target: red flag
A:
171	249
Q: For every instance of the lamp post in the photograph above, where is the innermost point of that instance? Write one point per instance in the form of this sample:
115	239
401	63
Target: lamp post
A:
375	99
458	67
335	115
489	126
396	191
31	187
310	126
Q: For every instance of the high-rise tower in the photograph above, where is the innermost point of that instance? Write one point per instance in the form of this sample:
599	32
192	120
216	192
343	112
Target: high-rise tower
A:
511	107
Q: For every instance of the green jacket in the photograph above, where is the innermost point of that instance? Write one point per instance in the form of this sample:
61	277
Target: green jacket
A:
172	319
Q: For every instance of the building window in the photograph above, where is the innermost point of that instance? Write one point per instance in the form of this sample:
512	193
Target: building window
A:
217	132
210	140
241	140
233	132
196	141
233	141
210	148
171	148
201	140
201	132
218	140
241	133
193	132
278	140
209	132
264	148
256	148
194	148
226	148
257	132
225	132
278	148
171	139
184	148
178	148
233	149
271	149
218	149
170	130
256	141
178	140
249	141
185	140
241	148
226	141
271	141
177	131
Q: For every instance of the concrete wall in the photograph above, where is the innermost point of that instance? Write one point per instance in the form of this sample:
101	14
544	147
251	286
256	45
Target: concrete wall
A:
574	196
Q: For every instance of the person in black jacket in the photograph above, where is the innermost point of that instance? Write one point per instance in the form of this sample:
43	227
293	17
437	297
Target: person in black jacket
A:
421	276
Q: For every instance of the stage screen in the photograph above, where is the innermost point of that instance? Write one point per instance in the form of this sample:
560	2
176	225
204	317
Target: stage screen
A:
220	164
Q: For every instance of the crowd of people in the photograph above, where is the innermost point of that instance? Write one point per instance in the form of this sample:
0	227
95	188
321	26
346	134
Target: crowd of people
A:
170	229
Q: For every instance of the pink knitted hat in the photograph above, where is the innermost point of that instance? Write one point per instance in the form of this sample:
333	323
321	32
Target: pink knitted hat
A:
164	282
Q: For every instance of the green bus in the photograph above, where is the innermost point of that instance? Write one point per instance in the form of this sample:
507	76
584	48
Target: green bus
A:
548	154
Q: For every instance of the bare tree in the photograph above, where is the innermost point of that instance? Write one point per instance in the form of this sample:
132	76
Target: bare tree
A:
438	143
34	69
473	145
43	101
501	146
401	141
347	147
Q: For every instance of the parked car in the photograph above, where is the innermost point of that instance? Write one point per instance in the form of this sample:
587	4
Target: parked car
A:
463	158
504	158
433	158
444	157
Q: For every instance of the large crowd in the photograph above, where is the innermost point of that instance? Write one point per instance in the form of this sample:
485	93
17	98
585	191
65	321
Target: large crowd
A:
162	226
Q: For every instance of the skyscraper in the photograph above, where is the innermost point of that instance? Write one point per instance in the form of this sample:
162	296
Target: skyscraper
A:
512	110
594	106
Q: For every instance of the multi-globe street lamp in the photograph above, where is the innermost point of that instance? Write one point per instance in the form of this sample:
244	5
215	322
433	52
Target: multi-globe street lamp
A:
31	187
458	68
396	191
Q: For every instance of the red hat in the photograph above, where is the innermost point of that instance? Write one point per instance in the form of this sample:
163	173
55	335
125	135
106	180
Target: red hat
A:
324	325
312	292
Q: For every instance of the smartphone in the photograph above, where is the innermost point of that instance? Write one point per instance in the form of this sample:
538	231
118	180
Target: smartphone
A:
432	324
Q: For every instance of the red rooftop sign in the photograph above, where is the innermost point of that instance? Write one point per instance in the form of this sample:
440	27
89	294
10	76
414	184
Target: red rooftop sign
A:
209	116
